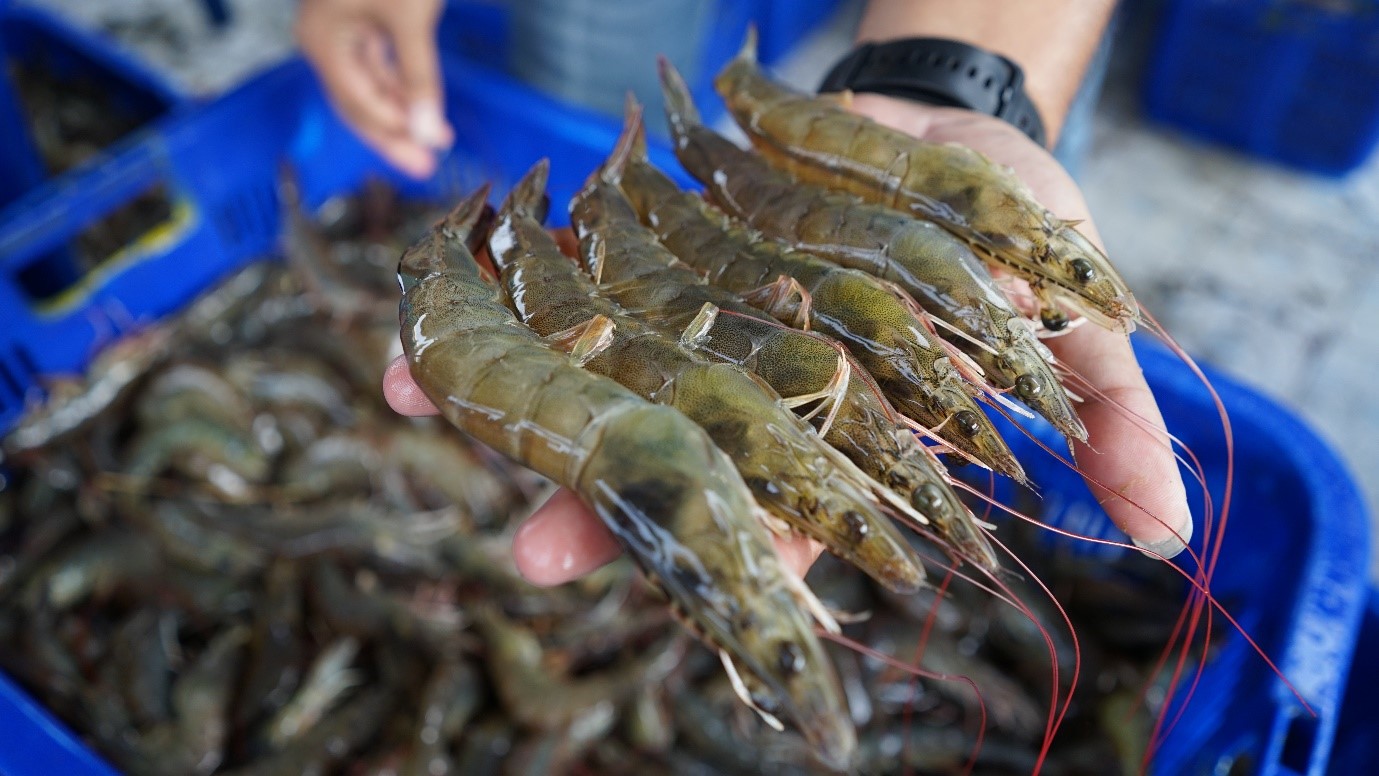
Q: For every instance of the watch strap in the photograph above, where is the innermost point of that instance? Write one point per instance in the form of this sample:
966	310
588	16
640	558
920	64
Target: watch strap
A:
940	72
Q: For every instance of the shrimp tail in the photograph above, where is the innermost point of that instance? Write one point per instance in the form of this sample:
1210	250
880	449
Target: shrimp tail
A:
681	111
466	225
528	197
631	145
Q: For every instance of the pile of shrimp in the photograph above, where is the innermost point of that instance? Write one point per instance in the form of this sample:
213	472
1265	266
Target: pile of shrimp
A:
826	318
804	350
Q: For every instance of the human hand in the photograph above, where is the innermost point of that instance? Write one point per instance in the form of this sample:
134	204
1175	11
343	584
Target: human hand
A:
1136	465
378	61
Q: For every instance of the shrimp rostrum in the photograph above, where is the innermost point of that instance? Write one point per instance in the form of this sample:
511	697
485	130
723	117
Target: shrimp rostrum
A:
672	499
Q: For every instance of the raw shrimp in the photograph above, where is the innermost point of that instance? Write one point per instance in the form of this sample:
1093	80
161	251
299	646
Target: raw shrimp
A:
653	285
932	266
793	474
911	365
671	498
819	141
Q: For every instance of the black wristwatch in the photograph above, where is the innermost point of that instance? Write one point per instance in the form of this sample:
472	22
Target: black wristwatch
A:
940	72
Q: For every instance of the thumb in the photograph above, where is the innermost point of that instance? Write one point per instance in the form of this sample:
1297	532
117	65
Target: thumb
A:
413	28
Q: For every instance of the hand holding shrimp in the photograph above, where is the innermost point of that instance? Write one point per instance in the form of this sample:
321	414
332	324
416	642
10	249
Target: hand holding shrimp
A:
562	540
1146	498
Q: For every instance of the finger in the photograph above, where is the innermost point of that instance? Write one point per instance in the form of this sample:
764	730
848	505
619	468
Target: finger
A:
402	152
413	27
339	57
402	392
379	63
1144	494
797	552
562	541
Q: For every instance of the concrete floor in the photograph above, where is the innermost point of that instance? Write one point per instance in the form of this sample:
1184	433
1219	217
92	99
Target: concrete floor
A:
1265	273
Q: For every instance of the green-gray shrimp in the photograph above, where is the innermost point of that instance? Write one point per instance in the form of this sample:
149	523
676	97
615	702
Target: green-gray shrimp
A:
672	499
912	366
74	404
932	266
848	409
792	473
541	698
980	201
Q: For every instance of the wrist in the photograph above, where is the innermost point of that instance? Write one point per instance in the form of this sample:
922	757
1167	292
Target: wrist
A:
942	72
1052	41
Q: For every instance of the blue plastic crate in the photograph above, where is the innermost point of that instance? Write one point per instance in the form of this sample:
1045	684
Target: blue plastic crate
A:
782	23
219	163
1357	745
33	36
1292	81
216	165
1293	571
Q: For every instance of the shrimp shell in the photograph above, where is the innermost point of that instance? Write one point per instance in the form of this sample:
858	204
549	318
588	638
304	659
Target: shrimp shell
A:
672	500
984	203
789	470
935	268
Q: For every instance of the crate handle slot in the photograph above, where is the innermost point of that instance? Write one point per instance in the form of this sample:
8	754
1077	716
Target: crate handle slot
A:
54	215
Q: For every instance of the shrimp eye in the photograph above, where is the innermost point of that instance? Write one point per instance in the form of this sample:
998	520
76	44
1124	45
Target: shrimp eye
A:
967	422
1053	320
1083	270
1026	387
856	523
791	658
928	498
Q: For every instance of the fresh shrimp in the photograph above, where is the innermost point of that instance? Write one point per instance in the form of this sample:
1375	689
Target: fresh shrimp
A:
932	266
913	367
74	404
792	473
538	697
671	498
849	412
984	203
990	208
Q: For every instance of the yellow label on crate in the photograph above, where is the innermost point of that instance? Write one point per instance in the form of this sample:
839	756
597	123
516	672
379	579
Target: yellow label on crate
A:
155	241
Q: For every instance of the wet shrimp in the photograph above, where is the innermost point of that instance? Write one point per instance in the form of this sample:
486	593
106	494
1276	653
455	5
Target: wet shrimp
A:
912	366
793	474
819	141
846	407
672	499
932	266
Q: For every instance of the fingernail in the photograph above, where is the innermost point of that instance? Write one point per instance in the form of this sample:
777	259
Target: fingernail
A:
426	125
1171	546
